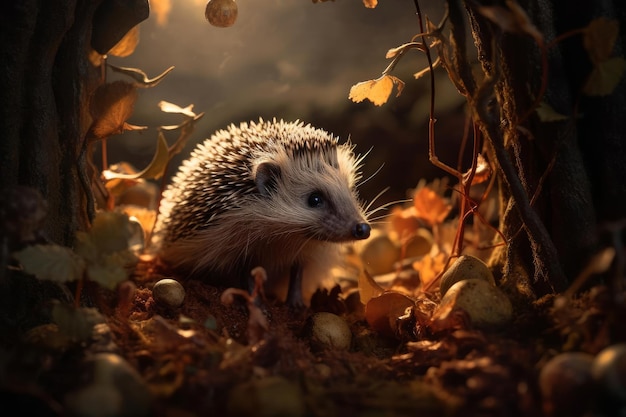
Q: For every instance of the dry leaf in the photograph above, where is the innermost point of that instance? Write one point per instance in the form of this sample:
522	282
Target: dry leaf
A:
368	288
127	44
168	107
599	38
377	91
511	19
482	172
430	206
154	170
110	106
429	267
140	77
426	70
404	222
547	114
604	77
370	4
382	312
404	47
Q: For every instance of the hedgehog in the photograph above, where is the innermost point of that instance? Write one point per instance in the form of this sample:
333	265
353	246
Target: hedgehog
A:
276	194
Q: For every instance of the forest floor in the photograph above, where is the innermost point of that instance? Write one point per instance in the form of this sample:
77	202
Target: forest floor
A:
384	344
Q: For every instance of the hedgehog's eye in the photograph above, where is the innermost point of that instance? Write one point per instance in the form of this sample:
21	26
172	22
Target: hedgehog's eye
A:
315	200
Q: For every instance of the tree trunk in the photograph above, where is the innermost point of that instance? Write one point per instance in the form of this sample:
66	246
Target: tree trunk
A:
576	166
47	79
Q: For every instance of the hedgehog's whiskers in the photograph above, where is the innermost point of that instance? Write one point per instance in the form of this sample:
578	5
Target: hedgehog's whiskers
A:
361	182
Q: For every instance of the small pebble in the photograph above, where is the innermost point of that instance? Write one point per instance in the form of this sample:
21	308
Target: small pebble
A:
465	267
609	372
327	330
566	384
168	292
487	306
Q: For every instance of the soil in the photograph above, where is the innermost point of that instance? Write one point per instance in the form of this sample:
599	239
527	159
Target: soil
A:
258	356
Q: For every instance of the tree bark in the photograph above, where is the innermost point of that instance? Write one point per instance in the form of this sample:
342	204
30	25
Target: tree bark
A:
47	79
575	166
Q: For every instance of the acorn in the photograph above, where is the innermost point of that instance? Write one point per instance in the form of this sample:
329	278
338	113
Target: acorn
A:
221	13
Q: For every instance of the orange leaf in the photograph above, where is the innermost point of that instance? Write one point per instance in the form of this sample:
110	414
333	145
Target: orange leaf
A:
368	288
430	206
377	91
370	4
404	221
383	311
127	44
482	173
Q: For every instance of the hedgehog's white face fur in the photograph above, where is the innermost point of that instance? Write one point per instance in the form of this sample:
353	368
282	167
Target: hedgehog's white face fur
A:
266	193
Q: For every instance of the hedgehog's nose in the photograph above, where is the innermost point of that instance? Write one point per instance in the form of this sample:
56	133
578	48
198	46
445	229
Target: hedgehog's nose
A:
361	231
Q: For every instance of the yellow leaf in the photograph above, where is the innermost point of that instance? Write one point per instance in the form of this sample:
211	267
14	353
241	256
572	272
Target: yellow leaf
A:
604	77
154	170
599	38
377	91
127	44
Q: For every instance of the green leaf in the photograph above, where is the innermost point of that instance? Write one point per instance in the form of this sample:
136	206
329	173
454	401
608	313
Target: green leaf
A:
51	262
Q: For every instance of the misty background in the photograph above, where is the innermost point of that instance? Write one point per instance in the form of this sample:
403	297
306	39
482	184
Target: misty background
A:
293	59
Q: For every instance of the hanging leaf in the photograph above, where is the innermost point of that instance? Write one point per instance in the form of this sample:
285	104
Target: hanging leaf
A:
140	77
604	77
377	91
599	38
393	52
126	46
110	106
168	107
154	170
51	262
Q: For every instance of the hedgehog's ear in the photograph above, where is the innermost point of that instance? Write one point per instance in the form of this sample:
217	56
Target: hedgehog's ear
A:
266	177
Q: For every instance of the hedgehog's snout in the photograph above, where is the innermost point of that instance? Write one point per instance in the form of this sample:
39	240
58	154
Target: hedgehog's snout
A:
361	231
